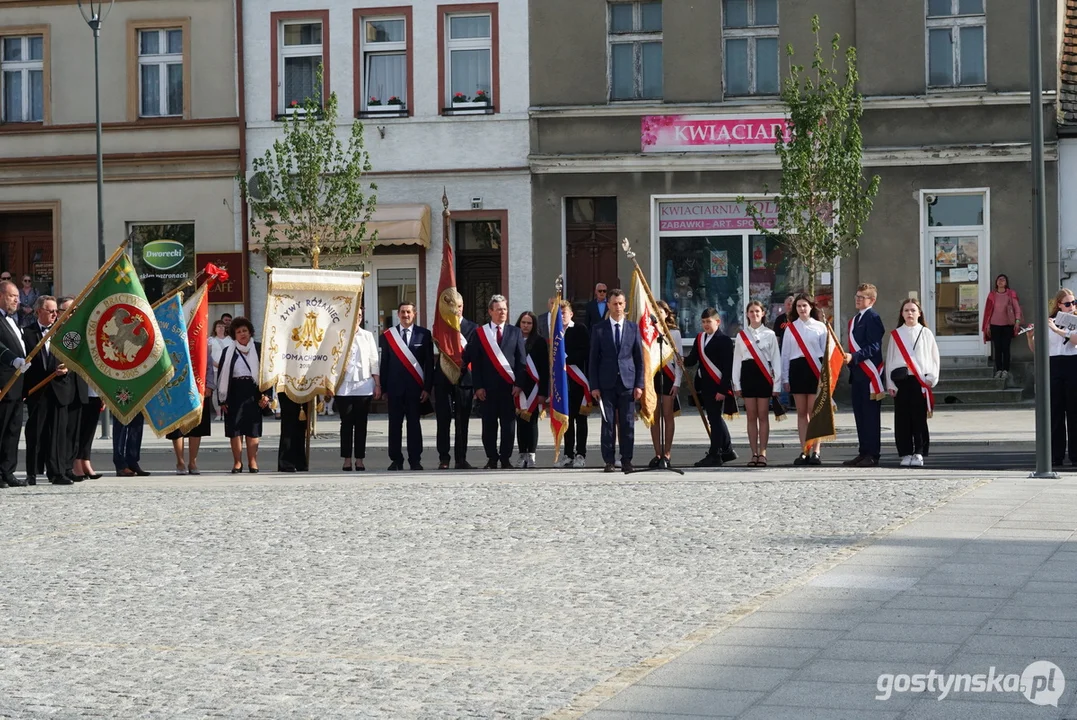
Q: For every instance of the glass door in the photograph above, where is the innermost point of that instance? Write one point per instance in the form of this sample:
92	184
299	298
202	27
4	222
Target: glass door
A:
956	289
392	280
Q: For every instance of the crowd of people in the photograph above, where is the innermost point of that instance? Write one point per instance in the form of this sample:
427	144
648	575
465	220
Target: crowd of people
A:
506	368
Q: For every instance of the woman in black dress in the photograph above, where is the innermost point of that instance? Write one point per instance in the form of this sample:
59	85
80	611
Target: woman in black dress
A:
199	431
238	395
538	355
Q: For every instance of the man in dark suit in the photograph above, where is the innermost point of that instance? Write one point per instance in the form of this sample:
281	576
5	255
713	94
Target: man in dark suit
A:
498	361
453	401
616	376
12	364
407	377
48	436
545	320
865	374
597	308
713	353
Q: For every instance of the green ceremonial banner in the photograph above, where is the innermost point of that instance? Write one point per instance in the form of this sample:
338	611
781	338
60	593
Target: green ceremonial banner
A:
112	340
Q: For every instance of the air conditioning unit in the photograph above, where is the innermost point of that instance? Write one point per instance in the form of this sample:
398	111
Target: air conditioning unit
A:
255	193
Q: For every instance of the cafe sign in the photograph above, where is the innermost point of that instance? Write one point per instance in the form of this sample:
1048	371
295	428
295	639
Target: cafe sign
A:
712	133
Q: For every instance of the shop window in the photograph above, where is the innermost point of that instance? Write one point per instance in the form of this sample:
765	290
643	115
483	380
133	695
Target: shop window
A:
22	75
635	50
385	64
955	210
160	72
956	47
750	42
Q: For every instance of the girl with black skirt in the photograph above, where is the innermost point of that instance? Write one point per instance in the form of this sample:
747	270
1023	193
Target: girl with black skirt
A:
667	382
799	377
238	395
757	344
527	412
199	431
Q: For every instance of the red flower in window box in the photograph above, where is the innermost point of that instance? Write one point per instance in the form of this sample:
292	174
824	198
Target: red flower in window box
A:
373	102
394	100
459	97
295	103
481	96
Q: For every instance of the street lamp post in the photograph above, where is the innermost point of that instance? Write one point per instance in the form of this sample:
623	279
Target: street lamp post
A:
94	13
1039	248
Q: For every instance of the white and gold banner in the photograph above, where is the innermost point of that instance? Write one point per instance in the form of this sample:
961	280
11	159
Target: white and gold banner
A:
310	320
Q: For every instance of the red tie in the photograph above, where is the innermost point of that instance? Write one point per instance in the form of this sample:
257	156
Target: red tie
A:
498	334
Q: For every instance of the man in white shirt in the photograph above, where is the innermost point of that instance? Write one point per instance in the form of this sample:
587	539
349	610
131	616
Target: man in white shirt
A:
12	363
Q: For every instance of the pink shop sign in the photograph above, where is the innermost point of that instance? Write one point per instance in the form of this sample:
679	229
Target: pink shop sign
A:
705	216
710	133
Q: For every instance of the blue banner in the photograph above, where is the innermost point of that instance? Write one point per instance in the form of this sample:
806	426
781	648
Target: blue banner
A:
178	404
558	381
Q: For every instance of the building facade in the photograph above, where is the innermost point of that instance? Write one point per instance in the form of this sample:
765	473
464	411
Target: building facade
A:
653	121
170	139
442	90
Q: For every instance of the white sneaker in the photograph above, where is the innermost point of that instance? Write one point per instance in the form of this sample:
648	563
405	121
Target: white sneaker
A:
531	460
579	461
906	461
1005	374
917	460
565	461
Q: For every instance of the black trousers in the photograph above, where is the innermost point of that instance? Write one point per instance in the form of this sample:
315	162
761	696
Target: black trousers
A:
292	450
576	432
498	410
37	416
1001	337
910	418
401	406
618	405
354	410
10	429
527	432
54	428
89	416
1063	408
868	415
720	438
452	404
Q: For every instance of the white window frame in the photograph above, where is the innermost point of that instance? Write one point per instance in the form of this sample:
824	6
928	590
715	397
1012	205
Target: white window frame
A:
162	60
368	49
954	23
286	51
25	67
486	44
751	33
636	39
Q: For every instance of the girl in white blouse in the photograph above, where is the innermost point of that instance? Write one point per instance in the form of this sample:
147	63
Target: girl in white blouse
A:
218	343
667	381
1062	347
360	384
912	403
800	375
757	378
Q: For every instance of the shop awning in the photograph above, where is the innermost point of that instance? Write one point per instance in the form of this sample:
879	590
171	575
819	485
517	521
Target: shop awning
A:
403	224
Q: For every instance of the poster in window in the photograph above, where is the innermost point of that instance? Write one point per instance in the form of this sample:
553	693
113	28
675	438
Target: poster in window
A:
968	251
759	253
163	256
719	263
945	252
968	297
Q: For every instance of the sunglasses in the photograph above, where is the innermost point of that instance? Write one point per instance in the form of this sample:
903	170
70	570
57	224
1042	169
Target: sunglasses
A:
1071	303
600	292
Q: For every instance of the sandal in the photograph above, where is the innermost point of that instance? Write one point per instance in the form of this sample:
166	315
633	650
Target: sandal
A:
181	469
762	460
754	462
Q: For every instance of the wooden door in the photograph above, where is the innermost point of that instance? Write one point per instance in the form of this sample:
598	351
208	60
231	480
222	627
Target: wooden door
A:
591	248
478	265
26	248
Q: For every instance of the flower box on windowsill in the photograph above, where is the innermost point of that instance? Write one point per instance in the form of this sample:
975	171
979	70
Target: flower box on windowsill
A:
297	111
468	108
383	111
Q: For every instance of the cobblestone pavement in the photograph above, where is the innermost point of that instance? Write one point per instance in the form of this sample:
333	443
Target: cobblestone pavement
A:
475	596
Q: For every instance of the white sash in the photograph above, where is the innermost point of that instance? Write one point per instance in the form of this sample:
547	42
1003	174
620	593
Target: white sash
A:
705	362
404	353
875	374
813	362
529	404
493	350
914	370
576	375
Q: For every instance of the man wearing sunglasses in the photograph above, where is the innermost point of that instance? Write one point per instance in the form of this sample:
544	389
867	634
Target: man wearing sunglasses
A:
47	431
597	309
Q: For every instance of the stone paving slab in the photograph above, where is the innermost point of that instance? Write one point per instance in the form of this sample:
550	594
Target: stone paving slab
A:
485	595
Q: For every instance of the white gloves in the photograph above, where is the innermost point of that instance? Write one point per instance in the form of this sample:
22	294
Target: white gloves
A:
20	364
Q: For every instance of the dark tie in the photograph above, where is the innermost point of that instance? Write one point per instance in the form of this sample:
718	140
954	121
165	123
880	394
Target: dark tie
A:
856	321
617	336
407	334
498	334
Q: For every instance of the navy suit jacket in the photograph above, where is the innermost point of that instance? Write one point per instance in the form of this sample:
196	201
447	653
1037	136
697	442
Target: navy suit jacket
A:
395	378
483	372
720	351
608	368
62	389
594	317
869	334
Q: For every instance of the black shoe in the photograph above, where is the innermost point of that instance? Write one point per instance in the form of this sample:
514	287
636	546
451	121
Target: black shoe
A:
855	462
140	472
15	482
710	461
287	469
609	468
31	481
237	470
395	467
655	463
491	465
95	476
729	455
464	465
73	477
416	466
814	459
627	467
507	465
61	480
866	462
78	478
802	459
252	470
665	464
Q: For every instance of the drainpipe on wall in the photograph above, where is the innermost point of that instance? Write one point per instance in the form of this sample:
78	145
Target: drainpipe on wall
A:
242	114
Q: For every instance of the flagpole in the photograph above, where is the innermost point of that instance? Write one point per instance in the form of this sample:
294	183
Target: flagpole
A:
178	290
558	285
666	333
78	300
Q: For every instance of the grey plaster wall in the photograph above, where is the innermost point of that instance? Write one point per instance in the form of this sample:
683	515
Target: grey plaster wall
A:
692	51
568	52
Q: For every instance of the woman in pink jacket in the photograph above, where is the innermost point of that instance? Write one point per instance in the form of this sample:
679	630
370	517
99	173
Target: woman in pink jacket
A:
1001	321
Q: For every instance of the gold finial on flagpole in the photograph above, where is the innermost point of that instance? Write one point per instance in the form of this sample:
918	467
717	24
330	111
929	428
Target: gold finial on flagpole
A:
559	283
627	247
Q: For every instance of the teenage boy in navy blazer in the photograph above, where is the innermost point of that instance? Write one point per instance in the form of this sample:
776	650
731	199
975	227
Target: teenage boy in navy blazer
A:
493	388
406	387
716	394
615	372
868	332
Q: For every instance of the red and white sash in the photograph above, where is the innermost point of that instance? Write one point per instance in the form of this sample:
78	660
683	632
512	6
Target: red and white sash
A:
747	340
813	362
576	375
529	404
914	370
488	338
404	354
670	368
705	363
875	374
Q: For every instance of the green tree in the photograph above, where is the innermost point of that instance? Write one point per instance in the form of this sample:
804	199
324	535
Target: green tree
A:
825	198
306	195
